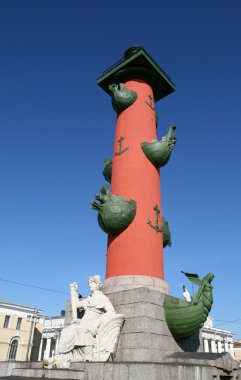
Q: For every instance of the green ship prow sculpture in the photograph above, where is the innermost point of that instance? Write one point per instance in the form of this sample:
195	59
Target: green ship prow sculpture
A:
166	234
159	152
186	318
122	97
107	171
115	213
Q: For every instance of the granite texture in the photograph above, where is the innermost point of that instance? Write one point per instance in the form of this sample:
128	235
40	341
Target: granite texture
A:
145	336
179	367
119	283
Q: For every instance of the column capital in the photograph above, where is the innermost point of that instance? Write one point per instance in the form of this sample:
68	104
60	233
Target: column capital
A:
138	64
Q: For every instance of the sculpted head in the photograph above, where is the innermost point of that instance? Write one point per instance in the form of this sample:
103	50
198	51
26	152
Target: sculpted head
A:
95	283
210	277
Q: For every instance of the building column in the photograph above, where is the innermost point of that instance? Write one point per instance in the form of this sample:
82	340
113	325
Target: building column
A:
213	346
57	344
220	347
205	345
138	250
40	350
47	350
226	347
231	349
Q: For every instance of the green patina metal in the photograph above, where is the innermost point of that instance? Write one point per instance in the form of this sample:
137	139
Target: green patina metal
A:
107	171
122	97
138	64
149	103
186	318
120	141
156	227
159	152
115	214
166	234
156	117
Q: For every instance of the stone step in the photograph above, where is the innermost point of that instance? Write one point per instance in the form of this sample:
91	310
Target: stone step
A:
57	374
180	367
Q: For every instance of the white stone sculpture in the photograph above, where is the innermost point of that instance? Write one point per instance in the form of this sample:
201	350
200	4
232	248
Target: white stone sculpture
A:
186	293
94	337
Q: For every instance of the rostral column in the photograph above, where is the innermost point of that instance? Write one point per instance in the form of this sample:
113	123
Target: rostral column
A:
135	84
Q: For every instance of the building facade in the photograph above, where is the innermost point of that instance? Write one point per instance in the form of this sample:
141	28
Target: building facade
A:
52	328
237	350
20	331
216	340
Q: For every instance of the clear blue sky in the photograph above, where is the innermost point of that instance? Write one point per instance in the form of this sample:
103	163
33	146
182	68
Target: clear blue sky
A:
57	126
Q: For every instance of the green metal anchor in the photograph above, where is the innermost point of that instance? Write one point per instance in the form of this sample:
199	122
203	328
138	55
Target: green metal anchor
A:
156	227
150	104
120	146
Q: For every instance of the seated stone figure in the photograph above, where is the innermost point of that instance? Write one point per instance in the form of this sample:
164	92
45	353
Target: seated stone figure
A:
94	337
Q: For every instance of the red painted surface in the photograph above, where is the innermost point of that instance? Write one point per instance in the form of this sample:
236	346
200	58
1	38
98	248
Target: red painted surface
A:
137	250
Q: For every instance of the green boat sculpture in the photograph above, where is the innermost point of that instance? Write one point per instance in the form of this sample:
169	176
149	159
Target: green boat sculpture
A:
107	171
122	97
186	318
159	152
166	234
115	214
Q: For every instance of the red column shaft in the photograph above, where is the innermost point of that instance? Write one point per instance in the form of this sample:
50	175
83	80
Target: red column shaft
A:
138	249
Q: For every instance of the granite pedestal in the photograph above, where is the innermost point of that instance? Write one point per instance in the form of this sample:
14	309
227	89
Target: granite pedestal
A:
196	366
146	348
145	336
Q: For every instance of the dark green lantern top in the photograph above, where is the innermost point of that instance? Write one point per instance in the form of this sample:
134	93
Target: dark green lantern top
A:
137	64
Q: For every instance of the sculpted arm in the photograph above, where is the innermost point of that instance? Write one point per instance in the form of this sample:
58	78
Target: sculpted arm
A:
109	307
81	304
75	302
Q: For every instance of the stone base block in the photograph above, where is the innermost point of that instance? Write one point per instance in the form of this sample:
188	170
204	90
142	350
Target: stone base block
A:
145	336
179	366
119	283
58	374
184	370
